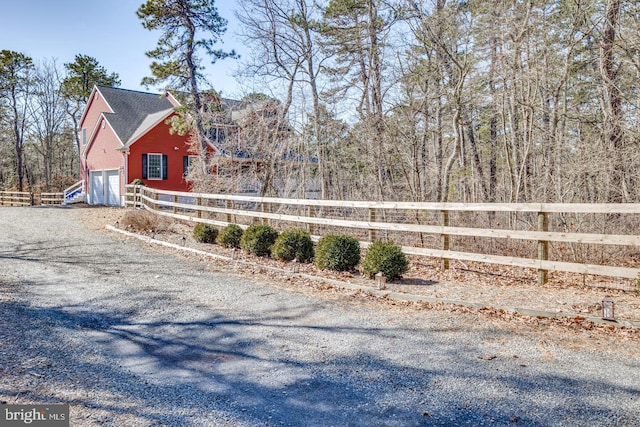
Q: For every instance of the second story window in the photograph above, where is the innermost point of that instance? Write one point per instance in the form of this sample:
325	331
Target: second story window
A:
217	135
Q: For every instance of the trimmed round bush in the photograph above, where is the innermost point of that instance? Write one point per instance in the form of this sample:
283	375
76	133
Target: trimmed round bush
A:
258	239
293	244
230	236
385	257
337	252
205	233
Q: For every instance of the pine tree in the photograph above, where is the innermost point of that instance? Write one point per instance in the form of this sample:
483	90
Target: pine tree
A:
16	81
187	26
82	75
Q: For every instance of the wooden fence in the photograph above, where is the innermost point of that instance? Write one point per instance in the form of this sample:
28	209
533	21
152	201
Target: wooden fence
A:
26	198
51	198
427	229
16	198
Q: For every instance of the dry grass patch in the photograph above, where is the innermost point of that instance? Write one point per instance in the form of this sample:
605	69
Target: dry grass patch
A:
145	222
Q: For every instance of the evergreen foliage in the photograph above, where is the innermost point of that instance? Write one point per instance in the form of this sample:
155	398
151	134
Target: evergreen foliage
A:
230	236
385	257
293	244
337	252
258	239
82	75
205	233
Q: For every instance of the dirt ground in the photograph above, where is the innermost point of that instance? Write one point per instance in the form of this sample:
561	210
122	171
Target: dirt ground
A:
571	295
135	334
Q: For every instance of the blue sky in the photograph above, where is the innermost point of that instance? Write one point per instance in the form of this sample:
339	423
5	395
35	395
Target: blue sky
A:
107	30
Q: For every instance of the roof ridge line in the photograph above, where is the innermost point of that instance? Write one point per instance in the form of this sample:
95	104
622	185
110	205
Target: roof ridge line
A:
133	90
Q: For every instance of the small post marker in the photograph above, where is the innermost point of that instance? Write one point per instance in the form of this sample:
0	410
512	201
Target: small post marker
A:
381	280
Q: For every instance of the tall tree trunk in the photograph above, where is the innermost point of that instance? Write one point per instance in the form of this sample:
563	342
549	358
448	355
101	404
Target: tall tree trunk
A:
493	123
197	99
18	133
613	133
313	84
477	164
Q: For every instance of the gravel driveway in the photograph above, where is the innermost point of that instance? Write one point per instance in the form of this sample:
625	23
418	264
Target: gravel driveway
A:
135	336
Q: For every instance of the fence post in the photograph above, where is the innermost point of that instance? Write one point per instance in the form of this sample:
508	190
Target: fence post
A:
373	235
156	197
264	207
198	205
227	205
444	239
175	200
543	247
311	214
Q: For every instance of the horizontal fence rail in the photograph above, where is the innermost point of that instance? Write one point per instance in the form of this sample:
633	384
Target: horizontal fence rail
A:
15	198
426	229
26	198
52	198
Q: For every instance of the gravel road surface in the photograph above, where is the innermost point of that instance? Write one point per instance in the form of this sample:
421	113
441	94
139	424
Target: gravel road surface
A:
131	335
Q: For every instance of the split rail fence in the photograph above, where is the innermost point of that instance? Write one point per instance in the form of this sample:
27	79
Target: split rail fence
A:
15	198
430	229
26	198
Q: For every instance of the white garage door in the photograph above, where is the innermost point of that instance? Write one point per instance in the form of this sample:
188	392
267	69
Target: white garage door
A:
96	188
105	188
113	188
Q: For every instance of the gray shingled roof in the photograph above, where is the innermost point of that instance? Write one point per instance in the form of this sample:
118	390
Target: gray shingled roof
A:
131	108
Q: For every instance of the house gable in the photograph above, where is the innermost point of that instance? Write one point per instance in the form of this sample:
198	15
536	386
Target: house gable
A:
129	114
158	140
101	150
131	108
151	121
91	137
96	106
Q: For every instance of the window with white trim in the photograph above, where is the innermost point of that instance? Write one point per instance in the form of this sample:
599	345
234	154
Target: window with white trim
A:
154	166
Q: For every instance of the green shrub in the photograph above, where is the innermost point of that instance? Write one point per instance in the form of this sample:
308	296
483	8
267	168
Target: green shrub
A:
137	181
337	252
258	239
230	236
293	244
205	233
385	257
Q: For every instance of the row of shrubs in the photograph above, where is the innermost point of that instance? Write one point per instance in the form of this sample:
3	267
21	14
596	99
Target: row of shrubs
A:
334	252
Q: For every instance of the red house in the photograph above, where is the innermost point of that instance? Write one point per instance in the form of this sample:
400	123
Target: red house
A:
124	136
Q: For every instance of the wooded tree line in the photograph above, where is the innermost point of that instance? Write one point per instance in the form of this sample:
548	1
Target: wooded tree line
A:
422	100
40	106
473	101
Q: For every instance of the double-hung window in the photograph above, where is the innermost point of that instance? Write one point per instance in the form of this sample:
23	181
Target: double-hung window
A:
154	166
